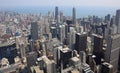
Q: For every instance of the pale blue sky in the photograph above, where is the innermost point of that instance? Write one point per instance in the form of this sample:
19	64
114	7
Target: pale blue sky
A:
95	3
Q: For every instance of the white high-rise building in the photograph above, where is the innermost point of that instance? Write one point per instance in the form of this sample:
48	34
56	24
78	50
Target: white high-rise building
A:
61	33
72	38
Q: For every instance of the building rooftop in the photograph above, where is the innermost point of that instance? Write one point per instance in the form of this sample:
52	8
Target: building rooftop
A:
75	71
97	35
9	42
115	36
10	68
108	65
46	60
65	49
37	70
75	59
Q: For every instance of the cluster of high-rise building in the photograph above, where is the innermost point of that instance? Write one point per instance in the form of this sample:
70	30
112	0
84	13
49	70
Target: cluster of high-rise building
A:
54	43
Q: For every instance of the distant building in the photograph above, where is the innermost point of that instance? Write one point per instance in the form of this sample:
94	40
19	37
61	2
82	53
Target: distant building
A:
61	16
8	30
34	30
107	18
74	16
53	31
56	14
118	21
113	19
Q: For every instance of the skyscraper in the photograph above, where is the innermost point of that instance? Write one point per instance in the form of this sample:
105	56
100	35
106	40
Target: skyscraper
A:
81	42
61	16
107	18
31	59
34	30
65	55
49	65
53	30
71	37
61	33
74	16
118	21
112	20
98	43
112	51
82	56
8	50
91	62
56	14
97	48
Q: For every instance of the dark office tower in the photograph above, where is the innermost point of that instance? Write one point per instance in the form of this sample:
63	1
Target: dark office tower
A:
31	45
106	68
98	43
112	51
74	16
107	18
81	42
31	59
56	14
97	48
65	55
9	51
118	21
34	31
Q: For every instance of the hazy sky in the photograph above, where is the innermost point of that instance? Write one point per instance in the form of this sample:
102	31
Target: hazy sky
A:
99	3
